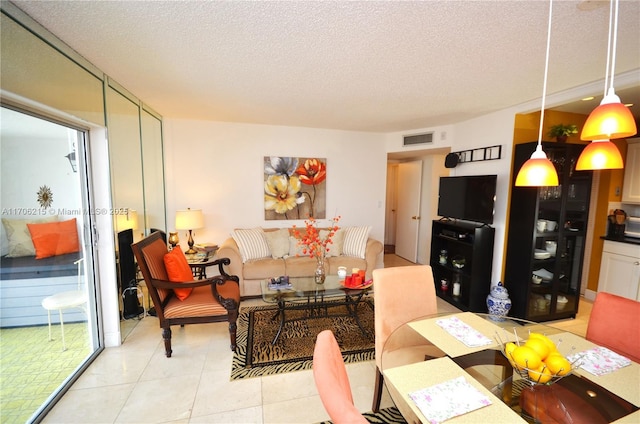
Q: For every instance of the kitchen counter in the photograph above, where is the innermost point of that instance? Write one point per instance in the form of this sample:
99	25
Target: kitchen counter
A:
628	240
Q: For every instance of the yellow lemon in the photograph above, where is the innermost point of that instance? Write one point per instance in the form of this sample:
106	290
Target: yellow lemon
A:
541	375
525	357
539	346
558	364
508	352
547	340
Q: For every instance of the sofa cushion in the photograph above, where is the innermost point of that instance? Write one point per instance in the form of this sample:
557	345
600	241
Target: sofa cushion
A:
259	269
337	242
252	244
19	237
278	241
54	238
301	266
355	241
295	247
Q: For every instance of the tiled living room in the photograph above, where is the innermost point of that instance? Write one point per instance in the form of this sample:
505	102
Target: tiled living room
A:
166	107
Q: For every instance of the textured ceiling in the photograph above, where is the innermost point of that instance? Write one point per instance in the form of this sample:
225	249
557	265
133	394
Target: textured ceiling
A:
367	66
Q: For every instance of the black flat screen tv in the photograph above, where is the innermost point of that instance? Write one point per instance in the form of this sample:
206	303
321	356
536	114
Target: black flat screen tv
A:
469	198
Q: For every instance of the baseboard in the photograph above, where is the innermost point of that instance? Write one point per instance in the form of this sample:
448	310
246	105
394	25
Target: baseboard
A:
590	295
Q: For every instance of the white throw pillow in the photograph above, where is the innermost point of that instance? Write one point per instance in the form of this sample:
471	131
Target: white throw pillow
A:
355	241
19	237
337	242
252	244
278	242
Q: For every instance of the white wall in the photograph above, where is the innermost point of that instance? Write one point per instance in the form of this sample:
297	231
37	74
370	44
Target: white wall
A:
218	167
489	130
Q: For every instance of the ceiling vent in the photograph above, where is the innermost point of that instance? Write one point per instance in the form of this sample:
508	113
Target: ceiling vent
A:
412	140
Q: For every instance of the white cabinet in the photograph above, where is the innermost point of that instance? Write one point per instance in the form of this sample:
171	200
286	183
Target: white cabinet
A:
631	185
620	269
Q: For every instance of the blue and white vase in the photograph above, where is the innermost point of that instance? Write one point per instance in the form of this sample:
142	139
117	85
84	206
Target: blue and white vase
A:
498	302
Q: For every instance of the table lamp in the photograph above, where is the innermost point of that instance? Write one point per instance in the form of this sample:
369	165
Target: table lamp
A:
189	219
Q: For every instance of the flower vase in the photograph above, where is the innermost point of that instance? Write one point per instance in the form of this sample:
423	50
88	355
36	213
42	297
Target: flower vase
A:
320	272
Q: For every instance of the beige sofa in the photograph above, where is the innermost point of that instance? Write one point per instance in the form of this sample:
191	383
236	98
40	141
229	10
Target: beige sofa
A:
289	260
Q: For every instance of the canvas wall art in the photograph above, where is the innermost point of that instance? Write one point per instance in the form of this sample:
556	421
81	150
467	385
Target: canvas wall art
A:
295	188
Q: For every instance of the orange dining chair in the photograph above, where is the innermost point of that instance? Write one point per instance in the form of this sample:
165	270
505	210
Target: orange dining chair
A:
332	381
614	324
401	294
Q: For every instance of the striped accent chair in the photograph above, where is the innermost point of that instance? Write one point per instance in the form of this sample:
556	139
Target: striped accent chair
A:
213	299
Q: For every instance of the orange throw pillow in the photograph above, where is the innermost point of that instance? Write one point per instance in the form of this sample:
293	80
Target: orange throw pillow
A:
179	271
54	238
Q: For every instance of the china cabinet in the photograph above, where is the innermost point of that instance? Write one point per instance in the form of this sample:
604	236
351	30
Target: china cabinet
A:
546	237
461	258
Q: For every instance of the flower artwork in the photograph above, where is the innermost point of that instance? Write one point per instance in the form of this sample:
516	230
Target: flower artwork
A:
294	188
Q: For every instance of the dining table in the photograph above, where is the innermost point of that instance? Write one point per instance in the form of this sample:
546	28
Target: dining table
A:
452	367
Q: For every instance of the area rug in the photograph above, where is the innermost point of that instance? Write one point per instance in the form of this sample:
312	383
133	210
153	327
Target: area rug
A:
384	416
255	356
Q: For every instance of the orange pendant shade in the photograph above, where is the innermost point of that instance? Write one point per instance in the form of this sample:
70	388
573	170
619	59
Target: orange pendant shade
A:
600	154
538	171
607	121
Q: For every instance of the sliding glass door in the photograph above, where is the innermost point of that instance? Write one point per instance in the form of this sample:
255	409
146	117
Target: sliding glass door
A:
49	318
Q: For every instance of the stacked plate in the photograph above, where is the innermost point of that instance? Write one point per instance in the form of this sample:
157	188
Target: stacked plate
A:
541	254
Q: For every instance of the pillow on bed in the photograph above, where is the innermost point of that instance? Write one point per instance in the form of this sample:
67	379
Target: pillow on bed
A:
54	238
178	271
19	237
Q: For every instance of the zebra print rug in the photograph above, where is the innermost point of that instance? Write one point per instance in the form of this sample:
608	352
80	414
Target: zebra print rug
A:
255	356
384	416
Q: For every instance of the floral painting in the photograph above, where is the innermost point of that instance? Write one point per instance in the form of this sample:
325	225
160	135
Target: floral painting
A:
294	188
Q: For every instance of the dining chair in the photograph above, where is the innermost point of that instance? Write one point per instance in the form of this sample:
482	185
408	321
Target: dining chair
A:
401	294
187	301
614	324
332	381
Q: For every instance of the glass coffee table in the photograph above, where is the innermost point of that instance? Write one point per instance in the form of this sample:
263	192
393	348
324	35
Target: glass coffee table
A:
316	299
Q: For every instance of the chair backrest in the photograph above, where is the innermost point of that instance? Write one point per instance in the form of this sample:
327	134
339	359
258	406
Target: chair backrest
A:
400	294
149	253
332	381
614	323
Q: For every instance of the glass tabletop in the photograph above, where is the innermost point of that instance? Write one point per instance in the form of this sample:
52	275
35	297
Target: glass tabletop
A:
432	350
302	288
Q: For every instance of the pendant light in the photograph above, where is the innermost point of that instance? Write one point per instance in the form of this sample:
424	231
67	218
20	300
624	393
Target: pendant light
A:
600	154
611	119
538	170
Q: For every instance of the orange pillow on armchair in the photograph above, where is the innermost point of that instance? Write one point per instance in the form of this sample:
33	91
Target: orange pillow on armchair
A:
178	271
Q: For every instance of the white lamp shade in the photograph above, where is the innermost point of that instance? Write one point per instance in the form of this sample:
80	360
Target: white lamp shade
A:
127	221
189	219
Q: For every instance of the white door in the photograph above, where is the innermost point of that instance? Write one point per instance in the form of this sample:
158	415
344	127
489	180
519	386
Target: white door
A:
391	205
408	211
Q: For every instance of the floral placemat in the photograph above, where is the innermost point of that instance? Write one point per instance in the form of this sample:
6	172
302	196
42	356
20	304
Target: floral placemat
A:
463	332
449	399
599	360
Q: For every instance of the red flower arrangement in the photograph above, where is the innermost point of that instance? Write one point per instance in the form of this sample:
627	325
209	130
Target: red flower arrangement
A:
311	243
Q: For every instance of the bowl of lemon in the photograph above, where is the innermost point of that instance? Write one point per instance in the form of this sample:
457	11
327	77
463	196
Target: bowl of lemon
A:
537	359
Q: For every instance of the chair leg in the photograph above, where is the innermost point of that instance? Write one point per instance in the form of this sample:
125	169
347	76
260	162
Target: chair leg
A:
64	347
166	335
49	316
377	390
233	327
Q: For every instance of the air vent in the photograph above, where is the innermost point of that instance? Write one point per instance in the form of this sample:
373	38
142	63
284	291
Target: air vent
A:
412	140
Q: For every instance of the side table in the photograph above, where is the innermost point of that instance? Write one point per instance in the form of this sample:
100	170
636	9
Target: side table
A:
199	263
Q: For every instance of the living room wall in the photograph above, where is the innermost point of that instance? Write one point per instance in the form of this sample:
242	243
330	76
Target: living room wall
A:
218	167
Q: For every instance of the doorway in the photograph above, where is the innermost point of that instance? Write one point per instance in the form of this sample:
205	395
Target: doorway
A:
432	163
48	258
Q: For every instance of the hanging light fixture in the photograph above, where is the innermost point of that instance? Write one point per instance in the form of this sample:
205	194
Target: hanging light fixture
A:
538	170
611	119
600	154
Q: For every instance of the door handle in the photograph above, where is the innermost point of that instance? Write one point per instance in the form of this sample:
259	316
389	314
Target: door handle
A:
415	217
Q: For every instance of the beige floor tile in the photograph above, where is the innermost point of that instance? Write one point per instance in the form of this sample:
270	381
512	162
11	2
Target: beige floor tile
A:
293	385
251	415
94	405
217	394
295	411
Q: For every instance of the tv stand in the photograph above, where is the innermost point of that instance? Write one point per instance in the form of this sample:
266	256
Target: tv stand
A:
474	243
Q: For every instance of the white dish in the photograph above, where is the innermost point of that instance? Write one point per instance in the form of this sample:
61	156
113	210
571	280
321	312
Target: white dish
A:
541	254
562	299
546	275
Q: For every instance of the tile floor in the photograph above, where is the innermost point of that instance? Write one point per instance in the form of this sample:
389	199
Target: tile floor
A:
136	383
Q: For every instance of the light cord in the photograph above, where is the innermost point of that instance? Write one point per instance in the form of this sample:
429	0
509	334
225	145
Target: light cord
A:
546	72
